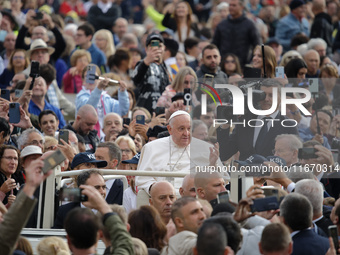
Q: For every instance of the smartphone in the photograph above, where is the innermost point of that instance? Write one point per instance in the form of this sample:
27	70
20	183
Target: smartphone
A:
314	86
63	134
38	16
140	119
333	232
279	72
154	43
208	79
159	110
72	195
187	96
56	158
5	94
18	93
126	121
223	197
307	153
34	69
265	204
14	113
90	74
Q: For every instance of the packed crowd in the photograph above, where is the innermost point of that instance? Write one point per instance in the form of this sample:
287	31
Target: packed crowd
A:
120	85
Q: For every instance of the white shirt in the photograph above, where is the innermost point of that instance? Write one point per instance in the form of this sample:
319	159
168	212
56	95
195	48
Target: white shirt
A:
164	155
129	200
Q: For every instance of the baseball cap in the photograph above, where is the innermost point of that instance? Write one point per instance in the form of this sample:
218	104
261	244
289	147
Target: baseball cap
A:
87	157
154	36
253	159
258	159
134	160
30	150
295	4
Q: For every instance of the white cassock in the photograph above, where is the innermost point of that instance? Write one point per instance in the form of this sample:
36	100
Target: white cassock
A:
164	155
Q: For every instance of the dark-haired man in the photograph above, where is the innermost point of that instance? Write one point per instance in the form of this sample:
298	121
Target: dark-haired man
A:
188	216
83	40
48	122
91	178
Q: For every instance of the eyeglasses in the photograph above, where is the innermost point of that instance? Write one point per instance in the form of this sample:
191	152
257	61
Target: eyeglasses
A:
11	158
80	35
126	151
230	61
18	57
35	142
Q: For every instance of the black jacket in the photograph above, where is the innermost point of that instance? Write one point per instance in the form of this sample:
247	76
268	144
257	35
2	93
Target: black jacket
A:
91	140
242	138
238	36
102	20
151	82
323	28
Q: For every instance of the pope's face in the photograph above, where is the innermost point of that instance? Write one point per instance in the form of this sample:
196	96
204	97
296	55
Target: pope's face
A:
180	130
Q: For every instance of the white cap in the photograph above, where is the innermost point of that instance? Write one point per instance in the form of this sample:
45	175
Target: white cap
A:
30	150
177	113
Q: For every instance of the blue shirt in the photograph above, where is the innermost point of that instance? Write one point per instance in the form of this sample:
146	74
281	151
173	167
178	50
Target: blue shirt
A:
98	57
34	109
288	27
307	135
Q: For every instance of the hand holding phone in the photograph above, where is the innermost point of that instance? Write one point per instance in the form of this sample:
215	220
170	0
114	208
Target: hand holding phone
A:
56	158
14	113
140	119
63	134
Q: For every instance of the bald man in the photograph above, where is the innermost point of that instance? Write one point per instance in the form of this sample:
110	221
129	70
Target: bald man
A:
163	195
84	124
312	59
177	153
208	185
188	186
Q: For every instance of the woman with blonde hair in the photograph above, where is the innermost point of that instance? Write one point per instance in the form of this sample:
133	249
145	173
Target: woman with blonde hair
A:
103	39
270	59
128	149
185	78
18	62
72	80
53	246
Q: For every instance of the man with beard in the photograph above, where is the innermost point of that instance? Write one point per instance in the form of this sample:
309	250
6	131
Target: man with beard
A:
211	60
84	125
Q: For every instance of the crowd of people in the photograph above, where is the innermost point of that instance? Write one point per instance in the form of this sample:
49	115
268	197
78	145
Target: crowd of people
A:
139	72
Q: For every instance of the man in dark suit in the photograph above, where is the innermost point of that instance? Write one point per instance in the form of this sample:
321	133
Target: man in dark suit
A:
111	153
250	140
296	212
313	190
91	177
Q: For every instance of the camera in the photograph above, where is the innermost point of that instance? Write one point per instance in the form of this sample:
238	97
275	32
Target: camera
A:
38	16
72	195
